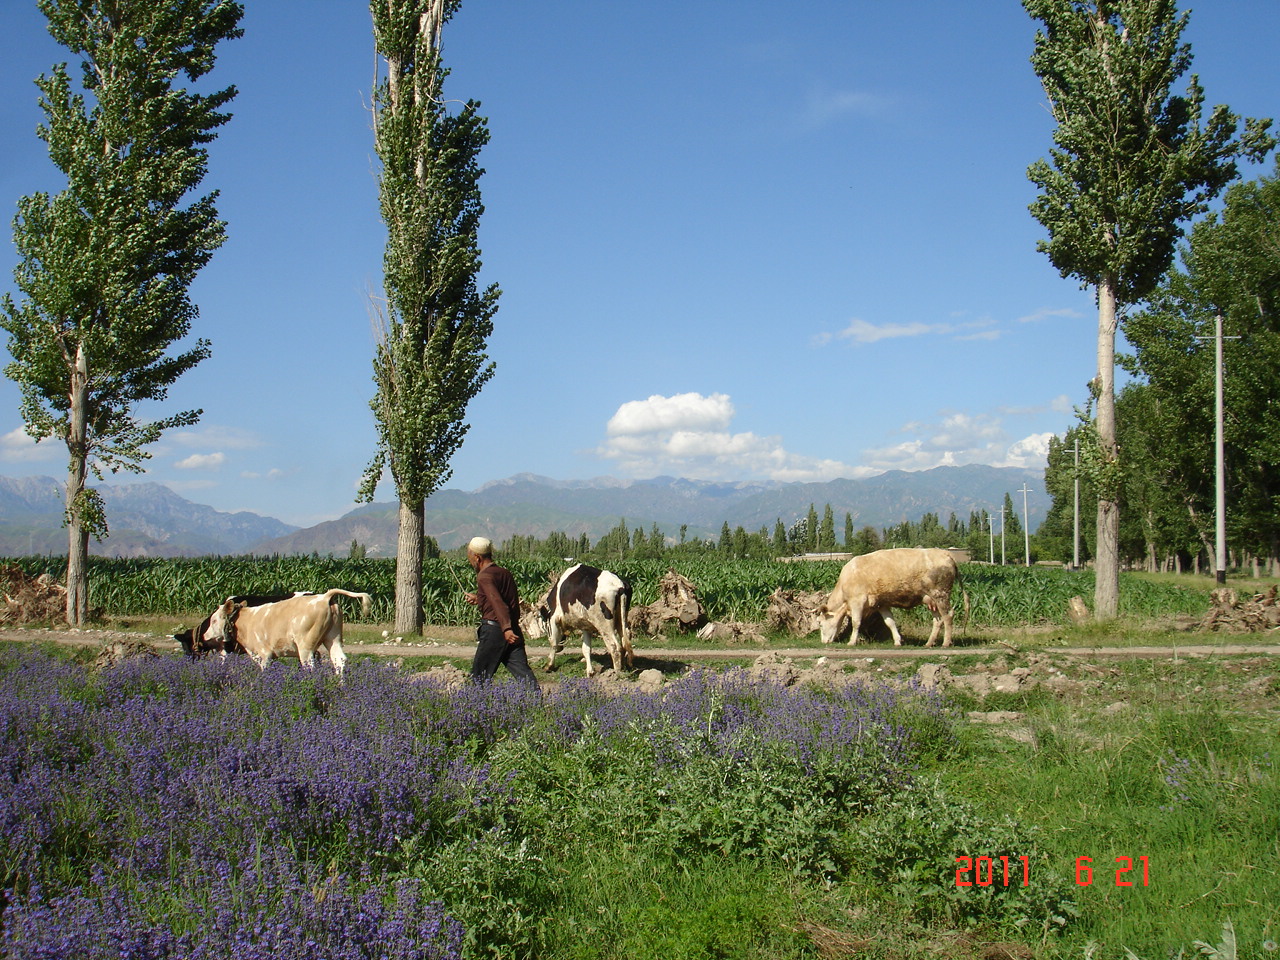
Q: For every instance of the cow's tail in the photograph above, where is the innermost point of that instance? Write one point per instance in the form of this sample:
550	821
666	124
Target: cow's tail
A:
965	594
624	625
366	601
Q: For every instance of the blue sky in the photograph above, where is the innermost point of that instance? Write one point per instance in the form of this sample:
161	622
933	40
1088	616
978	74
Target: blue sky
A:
736	240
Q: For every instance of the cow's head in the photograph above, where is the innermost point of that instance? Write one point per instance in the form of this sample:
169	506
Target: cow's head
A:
194	643
545	606
831	619
217	634
186	640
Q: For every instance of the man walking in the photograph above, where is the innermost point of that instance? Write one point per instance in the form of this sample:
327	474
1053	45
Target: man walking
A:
498	639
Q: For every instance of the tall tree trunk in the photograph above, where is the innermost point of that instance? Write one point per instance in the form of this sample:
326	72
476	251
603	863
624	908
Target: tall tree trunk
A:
1106	595
77	468
409	569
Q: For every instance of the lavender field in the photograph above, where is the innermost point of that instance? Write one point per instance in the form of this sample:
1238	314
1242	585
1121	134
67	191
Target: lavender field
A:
166	809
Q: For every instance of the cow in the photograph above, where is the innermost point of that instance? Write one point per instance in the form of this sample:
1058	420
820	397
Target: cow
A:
192	639
594	602
294	627
892	579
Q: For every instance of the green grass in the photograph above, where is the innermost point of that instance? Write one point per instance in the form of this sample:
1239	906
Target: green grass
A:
1183	773
728	589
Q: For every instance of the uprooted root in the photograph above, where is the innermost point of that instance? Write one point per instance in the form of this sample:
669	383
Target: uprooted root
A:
1256	614
31	599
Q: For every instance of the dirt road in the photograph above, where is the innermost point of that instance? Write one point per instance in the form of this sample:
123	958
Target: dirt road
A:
453	649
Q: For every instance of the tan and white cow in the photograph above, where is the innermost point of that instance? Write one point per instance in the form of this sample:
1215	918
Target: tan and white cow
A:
295	627
898	579
594	602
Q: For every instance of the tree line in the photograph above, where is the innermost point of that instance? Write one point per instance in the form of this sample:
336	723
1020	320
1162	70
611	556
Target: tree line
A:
1228	274
982	534
106	267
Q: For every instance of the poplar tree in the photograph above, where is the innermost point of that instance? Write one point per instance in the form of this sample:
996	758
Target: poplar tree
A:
1132	163
1230	270
430	358
106	264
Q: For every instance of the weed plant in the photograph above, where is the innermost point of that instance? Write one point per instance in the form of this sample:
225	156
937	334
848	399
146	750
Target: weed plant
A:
166	809
729	589
1174	780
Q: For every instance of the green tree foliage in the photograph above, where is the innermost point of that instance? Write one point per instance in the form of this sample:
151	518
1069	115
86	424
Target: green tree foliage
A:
106	264
979	538
1131	164
1014	546
811	530
827	531
430	360
866	540
1055	538
1230	268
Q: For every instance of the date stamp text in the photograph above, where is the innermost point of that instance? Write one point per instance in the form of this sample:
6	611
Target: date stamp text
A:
1005	871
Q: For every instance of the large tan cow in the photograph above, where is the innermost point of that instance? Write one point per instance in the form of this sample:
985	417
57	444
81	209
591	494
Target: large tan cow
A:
892	579
294	627
192	639
594	602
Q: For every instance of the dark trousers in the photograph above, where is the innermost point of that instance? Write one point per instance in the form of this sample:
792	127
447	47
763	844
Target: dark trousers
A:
492	651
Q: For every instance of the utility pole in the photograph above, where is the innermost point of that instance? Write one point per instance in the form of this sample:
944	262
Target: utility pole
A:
1219	458
991	536
1075	517
1002	535
1026	523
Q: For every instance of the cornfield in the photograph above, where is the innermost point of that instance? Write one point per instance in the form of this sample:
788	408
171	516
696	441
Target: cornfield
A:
729	589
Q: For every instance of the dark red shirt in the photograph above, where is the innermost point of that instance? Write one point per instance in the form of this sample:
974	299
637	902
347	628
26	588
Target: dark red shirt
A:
498	597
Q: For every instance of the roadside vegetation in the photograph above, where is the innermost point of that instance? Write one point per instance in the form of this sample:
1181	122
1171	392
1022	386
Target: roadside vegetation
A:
165	809
728	588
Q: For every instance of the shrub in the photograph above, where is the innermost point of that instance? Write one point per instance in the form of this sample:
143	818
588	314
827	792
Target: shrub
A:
907	852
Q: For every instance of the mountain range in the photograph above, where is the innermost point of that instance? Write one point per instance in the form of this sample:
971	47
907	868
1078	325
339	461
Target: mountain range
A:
148	519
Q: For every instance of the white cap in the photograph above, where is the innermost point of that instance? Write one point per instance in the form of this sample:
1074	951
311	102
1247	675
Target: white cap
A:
480	546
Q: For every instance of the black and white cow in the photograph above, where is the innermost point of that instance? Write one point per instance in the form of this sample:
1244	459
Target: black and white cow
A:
592	601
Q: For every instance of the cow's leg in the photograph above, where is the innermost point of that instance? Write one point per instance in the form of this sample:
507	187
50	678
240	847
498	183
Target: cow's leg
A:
614	647
947	617
337	656
893	627
587	637
628	652
555	637
855	624
942	618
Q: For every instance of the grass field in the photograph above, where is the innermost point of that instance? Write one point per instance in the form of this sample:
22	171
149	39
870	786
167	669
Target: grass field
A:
728	589
169	810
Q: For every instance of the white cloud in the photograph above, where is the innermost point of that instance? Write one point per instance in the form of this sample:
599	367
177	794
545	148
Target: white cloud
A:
862	332
201	461
225	438
1032	451
960	439
823	106
688	435
17	447
1044	313
684	411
